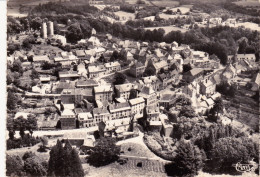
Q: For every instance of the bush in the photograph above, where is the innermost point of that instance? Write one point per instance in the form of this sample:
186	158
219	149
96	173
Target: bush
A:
34	167
42	148
27	155
14	165
27	141
156	148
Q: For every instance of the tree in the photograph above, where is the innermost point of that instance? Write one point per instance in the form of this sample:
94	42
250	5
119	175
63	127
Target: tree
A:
56	160
119	78
149	71
20	124
186	68
34	74
27	155
230	150
76	168
187	111
17	67
11	100
34	167
74	33
14	165
104	152
215	110
64	161
31	123
182	100
188	160
242	46
36	23
26	44
46	65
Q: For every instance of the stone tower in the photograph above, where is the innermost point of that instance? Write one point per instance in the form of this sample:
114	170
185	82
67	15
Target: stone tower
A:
44	30
50	30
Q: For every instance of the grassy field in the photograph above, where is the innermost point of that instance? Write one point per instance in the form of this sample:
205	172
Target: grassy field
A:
244	109
133	149
127	170
248	3
166	3
125	15
168	29
168	16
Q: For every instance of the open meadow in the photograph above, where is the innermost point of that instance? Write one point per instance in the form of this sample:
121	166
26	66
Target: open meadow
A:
248	3
168	29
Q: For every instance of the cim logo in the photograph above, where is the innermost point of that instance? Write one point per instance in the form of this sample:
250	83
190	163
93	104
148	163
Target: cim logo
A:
245	167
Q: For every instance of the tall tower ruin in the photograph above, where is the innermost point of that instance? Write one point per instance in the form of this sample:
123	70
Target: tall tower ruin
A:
50	29
44	30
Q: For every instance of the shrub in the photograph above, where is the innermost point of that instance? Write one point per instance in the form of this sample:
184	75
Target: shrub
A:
42	148
27	155
14	165
34	167
27	141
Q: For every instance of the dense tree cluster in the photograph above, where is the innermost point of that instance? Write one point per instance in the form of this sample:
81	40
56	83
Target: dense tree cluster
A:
119	78
29	165
127	8
188	161
14	165
159	22
218	143
59	8
226	89
228	151
147	11
78	30
240	9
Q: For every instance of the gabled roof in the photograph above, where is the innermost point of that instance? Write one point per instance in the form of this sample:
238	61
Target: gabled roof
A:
98	68
103	88
80	53
160	64
65	85
89	82
68	74
41	58
119	107
100	111
147	91
136	101
124	87
112	64
76	91
194	72
67	112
